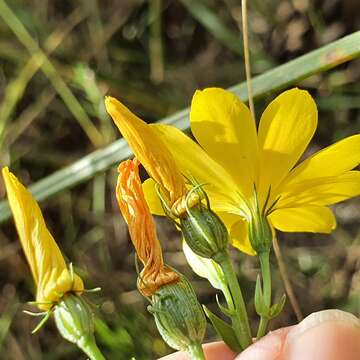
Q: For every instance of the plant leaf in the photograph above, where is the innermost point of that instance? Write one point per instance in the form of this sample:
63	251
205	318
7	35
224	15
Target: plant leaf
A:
224	330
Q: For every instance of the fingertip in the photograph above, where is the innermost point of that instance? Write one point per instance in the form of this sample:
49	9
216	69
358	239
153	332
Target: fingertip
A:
218	350
213	351
330	340
269	347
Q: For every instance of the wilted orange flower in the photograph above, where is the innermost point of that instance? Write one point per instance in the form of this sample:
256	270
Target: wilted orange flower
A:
52	277
142	230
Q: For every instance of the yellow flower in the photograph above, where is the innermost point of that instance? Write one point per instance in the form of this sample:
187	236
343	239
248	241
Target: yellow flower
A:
238	162
136	213
53	279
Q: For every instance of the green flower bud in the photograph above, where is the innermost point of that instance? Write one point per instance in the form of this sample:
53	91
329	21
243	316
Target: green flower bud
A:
178	315
75	322
260	233
204	232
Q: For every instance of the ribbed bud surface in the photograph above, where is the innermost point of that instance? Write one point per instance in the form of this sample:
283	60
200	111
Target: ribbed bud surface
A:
178	315
204	232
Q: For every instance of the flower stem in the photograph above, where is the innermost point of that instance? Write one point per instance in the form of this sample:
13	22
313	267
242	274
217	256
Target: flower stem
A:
196	352
264	258
89	347
239	318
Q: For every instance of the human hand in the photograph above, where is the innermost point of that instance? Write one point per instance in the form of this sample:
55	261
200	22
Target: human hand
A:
324	335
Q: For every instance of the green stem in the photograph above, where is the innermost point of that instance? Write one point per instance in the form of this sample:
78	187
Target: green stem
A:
227	295
239	319
196	352
89	347
266	278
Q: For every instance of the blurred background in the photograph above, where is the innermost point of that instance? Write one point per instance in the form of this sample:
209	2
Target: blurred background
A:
152	56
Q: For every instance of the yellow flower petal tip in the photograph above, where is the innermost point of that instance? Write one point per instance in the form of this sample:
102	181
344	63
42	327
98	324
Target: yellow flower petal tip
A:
48	267
114	107
149	149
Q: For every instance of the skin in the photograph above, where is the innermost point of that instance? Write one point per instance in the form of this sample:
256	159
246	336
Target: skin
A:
326	335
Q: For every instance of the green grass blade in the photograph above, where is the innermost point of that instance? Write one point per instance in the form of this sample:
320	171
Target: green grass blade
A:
15	88
52	74
314	62
6	319
211	21
319	60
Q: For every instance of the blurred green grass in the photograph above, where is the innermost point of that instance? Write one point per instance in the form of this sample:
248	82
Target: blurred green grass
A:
105	47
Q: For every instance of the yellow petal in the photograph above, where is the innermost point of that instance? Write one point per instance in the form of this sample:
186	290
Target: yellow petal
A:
321	191
317	219
238	231
68	281
223	126
42	253
152	198
286	128
331	161
194	162
148	148
240	238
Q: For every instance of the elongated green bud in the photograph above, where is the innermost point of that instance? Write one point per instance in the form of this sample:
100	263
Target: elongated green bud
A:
260	233
204	232
179	316
75	322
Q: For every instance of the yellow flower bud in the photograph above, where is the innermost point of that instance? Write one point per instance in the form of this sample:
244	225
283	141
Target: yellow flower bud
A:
47	264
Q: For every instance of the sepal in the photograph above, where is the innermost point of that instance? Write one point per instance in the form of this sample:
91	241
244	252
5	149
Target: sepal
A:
178	315
74	319
268	312
224	330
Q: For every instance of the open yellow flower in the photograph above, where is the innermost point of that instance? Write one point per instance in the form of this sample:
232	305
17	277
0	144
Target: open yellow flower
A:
136	213
52	277
239	163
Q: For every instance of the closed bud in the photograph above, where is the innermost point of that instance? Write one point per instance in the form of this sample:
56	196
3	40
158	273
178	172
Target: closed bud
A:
204	232
75	322
260	233
178	315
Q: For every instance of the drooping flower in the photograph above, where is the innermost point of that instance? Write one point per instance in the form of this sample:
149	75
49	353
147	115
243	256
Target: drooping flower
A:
52	277
244	168
136	213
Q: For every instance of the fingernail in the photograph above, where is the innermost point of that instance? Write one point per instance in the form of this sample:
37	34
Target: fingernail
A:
318	318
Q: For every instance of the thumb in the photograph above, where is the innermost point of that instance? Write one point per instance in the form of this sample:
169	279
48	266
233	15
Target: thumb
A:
328	334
